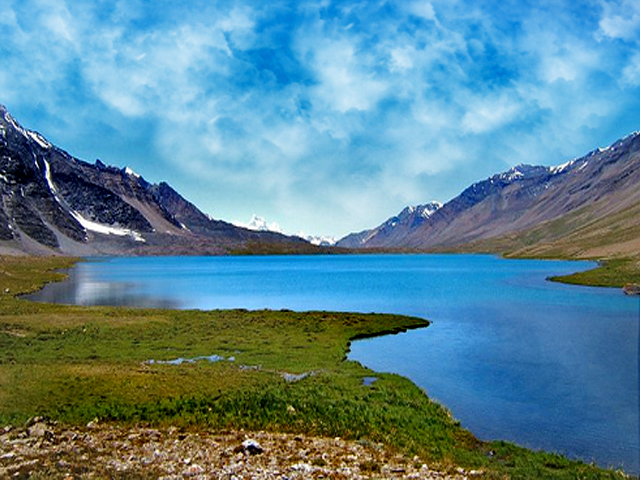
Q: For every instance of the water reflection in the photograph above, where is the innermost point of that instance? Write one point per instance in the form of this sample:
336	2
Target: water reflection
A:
83	288
511	355
179	361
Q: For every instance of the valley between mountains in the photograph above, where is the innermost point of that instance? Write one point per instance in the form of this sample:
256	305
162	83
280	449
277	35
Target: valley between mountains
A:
53	203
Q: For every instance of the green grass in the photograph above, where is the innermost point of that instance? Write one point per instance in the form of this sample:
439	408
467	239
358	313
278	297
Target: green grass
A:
610	273
74	364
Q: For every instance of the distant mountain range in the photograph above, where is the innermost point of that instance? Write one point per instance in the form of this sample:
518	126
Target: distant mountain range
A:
589	207
51	202
261	225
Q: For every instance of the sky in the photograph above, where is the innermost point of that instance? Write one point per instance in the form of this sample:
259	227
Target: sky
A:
326	117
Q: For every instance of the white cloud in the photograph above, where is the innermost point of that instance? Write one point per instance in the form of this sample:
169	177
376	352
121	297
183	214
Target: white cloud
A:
59	26
422	9
345	79
323	115
239	24
490	113
621	20
558	55
631	73
402	58
154	72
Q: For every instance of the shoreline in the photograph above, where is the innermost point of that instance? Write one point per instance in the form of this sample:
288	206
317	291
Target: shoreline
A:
607	273
96	314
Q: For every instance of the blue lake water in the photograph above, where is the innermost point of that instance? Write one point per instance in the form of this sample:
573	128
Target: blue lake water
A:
513	356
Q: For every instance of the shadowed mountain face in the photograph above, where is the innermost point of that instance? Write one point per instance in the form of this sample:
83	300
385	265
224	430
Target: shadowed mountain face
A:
587	207
53	203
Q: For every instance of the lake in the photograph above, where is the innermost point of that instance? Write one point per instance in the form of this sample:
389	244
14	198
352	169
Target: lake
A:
513	356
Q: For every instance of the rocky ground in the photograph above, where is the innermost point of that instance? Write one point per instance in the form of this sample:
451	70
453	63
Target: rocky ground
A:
46	450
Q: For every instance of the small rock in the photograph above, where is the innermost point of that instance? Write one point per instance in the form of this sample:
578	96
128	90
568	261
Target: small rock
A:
252	447
93	424
33	421
40	430
302	467
193	470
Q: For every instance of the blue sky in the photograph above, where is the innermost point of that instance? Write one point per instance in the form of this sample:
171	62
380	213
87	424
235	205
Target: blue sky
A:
323	116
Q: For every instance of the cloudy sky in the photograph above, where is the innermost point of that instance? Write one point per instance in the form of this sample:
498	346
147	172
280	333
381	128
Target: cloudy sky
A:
323	116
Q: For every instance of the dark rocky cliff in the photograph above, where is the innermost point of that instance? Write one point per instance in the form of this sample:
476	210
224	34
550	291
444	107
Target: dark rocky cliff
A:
51	202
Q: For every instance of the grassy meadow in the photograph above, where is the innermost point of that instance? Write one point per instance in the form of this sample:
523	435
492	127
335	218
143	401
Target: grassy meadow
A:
282	371
610	273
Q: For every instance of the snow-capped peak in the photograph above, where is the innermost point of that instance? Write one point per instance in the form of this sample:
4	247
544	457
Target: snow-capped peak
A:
425	210
514	173
429	209
29	134
130	172
631	135
320	240
259	224
562	168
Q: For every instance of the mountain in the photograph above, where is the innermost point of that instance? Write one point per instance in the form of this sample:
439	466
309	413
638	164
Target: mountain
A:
259	224
588	207
51	202
393	230
320	240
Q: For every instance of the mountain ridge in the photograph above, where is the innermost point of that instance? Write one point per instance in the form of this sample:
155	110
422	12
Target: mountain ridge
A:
54	203
533	210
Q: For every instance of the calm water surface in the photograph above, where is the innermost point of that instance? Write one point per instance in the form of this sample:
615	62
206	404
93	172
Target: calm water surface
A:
513	356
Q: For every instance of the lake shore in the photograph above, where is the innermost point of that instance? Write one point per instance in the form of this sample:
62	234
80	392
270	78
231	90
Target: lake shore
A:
73	364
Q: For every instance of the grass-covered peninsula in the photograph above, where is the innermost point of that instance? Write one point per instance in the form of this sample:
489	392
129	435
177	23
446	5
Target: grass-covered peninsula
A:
609	273
280	371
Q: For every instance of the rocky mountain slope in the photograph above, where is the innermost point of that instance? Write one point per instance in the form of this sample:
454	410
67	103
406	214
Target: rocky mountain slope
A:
587	207
51	202
393	230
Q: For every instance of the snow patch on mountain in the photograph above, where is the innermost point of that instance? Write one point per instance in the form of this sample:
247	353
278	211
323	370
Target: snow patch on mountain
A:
131	173
320	240
425	211
47	176
39	139
88	224
29	134
106	229
561	168
629	137
513	174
